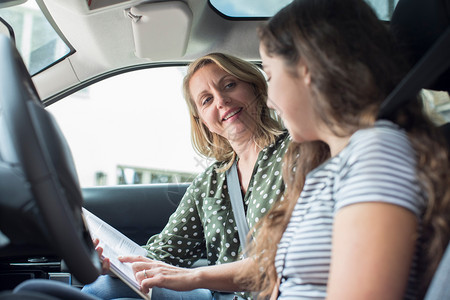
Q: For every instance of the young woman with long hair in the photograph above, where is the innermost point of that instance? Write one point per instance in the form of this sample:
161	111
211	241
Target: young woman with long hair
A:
367	204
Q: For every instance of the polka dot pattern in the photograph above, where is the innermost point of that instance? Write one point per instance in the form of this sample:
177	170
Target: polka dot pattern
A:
203	224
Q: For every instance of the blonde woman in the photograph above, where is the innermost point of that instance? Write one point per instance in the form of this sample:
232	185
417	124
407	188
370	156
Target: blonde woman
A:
230	122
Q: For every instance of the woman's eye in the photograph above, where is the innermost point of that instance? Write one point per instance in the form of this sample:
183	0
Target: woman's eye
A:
206	100
230	85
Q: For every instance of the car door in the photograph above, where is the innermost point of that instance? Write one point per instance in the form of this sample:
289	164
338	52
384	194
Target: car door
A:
130	138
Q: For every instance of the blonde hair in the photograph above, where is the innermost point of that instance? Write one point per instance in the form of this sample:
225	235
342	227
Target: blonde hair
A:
212	145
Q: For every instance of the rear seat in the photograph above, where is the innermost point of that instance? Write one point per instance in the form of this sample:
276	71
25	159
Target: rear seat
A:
417	24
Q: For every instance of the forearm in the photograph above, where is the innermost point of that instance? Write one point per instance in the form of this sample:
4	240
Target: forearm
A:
221	277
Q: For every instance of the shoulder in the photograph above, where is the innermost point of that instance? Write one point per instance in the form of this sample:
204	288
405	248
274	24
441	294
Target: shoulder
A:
207	177
385	144
280	146
384	133
384	141
283	139
270	160
378	165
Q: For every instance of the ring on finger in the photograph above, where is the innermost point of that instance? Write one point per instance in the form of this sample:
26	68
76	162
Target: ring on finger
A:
145	273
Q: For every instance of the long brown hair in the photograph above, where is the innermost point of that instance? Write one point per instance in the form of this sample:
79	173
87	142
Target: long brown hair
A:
354	64
212	145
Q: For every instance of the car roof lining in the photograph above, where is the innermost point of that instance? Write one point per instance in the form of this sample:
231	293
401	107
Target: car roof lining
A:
95	34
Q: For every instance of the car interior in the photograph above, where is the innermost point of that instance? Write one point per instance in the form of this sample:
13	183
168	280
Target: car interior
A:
42	232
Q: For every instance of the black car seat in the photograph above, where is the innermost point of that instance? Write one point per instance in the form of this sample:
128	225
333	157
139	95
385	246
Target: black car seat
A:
417	25
421	26
9	295
423	30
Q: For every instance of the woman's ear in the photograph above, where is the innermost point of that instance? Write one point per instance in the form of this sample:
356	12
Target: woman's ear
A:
303	71
198	120
203	123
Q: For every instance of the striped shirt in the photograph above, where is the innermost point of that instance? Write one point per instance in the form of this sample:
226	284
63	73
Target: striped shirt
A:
377	165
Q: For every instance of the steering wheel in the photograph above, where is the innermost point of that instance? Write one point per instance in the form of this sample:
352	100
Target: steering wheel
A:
31	140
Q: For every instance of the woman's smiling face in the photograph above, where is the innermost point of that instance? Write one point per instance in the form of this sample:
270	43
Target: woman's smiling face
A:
225	104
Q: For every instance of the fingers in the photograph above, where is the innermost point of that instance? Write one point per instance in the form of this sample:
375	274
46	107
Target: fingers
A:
146	280
139	264
99	251
139	267
133	258
105	261
174	278
152	266
150	273
97	247
105	265
143	270
145	287
142	275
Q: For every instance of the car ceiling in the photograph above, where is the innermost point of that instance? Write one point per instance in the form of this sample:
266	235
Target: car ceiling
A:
102	36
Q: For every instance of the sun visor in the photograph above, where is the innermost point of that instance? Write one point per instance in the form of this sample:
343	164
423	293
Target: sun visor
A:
161	29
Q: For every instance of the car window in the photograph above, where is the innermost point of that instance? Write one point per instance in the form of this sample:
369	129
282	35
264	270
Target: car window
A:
130	129
249	8
267	8
38	43
134	128
437	105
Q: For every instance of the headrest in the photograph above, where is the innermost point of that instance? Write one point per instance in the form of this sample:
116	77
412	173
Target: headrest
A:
417	24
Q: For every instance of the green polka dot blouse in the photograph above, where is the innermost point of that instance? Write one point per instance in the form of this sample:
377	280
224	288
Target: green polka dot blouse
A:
203	224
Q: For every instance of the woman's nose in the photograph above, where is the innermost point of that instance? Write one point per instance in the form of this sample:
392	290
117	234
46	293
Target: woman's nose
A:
222	100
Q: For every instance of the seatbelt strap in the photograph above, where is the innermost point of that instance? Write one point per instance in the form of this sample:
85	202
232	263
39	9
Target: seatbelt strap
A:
426	70
237	203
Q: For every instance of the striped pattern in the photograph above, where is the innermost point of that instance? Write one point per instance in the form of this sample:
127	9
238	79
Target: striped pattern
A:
378	164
